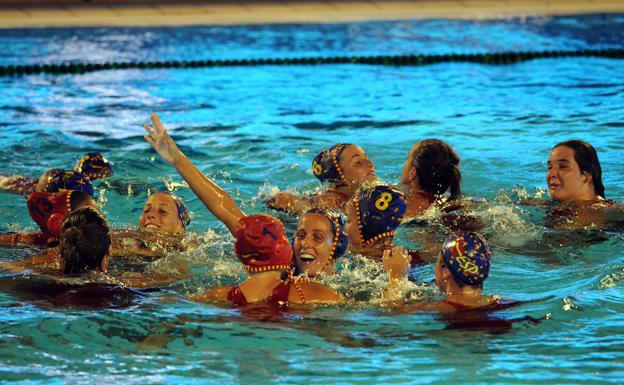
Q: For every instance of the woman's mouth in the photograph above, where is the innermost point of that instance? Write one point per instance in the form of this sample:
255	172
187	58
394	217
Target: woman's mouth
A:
553	186
307	257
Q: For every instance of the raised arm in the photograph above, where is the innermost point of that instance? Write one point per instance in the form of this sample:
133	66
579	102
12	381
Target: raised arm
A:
220	203
396	262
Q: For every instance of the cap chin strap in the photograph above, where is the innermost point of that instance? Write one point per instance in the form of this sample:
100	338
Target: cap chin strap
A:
264	269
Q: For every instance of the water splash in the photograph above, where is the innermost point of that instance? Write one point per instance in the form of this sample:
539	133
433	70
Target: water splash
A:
506	226
612	280
520	194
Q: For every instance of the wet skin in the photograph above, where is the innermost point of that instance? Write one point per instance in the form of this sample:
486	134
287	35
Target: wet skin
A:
160	213
356	166
351	227
313	244
566	182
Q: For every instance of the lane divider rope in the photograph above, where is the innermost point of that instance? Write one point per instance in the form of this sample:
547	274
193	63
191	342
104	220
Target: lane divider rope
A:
500	58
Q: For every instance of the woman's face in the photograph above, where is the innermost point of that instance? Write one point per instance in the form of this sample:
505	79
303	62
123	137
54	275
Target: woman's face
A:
564	178
313	244
351	226
439	272
356	166
161	214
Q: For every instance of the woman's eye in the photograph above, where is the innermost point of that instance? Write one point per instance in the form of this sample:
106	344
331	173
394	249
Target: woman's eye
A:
318	238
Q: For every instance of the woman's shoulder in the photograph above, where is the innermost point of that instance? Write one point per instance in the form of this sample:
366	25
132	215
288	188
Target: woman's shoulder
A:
330	198
313	293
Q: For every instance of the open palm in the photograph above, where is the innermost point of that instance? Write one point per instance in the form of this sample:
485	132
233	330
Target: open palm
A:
159	138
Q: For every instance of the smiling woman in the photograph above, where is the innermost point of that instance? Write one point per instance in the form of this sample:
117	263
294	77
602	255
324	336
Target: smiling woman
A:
344	166
319	241
164	212
260	239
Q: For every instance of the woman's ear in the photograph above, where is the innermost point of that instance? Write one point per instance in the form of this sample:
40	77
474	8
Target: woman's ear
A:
446	274
412	174
587	177
104	263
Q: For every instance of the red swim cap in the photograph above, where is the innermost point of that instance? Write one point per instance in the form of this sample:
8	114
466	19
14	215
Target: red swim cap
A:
261	244
49	210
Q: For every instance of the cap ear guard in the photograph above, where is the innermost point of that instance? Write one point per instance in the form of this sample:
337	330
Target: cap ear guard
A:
379	211
467	256
261	244
340	241
60	179
49	210
54	224
183	212
95	166
326	166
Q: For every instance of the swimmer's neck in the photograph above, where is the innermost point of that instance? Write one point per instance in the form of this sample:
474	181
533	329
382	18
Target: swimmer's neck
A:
584	200
266	275
260	285
463	294
346	189
327	270
587	194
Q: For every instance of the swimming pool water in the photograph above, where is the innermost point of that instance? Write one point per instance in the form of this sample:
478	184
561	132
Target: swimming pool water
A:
256	129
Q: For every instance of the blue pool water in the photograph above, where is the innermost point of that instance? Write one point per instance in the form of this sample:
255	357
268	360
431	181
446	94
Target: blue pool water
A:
255	129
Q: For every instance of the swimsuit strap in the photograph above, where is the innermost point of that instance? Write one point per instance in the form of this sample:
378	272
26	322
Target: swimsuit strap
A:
280	294
282	291
237	297
294	282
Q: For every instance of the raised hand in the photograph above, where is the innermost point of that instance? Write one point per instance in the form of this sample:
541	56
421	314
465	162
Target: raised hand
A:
159	138
219	202
396	262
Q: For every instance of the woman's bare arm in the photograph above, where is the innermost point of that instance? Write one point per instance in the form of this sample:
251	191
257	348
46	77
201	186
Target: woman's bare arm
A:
219	202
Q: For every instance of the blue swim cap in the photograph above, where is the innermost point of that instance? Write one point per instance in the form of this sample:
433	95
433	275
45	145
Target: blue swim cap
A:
326	167
59	179
183	212
379	211
95	166
341	240
467	256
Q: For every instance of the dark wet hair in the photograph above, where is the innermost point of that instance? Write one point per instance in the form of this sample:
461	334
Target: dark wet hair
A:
587	159
79	199
437	167
85	240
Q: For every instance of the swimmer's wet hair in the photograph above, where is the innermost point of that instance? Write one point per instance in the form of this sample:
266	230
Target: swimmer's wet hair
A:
79	199
85	240
437	167
586	157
